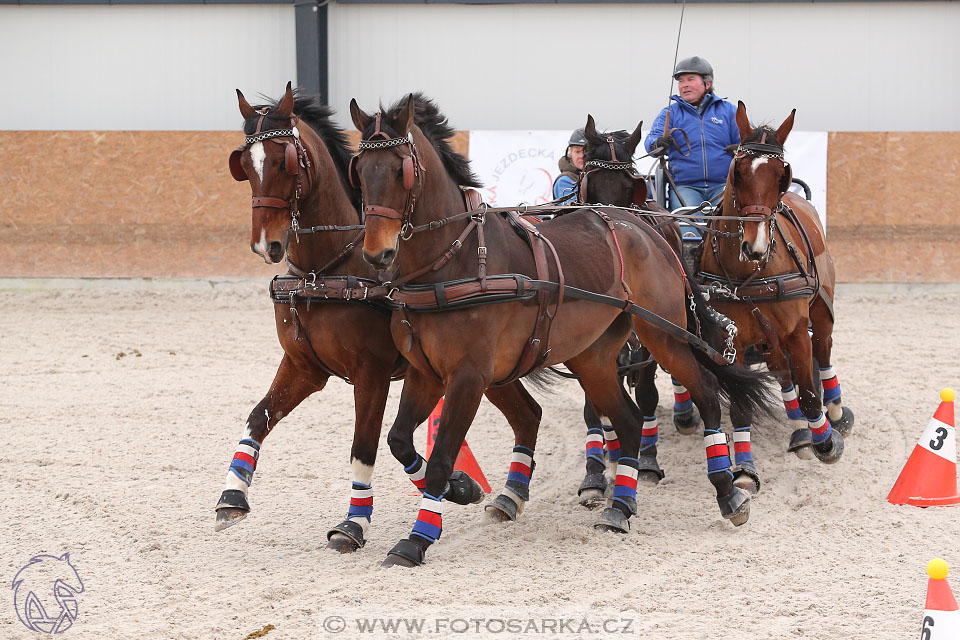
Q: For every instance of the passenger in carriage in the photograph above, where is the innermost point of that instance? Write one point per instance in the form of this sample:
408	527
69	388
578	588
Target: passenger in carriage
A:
571	166
709	122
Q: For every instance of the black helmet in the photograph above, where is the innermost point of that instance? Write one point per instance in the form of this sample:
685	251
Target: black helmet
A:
577	139
696	64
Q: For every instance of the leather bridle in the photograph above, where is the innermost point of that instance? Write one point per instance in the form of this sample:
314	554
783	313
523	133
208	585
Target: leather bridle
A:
592	166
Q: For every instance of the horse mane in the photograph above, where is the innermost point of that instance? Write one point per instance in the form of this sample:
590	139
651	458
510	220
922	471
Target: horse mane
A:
757	135
438	131
601	150
311	110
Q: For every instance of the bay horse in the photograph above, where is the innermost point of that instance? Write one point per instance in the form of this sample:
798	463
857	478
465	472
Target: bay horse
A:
566	308
296	161
609	177
766	266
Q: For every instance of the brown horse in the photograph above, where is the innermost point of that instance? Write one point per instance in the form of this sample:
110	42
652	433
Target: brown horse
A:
610	178
296	161
547	312
766	266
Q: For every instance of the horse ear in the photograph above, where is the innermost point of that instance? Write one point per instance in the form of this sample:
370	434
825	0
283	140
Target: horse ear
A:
742	122
285	108
360	119
785	128
590	130
245	109
404	121
631	144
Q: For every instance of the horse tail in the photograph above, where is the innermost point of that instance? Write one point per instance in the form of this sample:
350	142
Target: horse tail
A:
543	379
753	391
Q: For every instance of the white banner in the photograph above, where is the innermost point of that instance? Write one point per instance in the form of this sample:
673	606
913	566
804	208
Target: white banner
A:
519	167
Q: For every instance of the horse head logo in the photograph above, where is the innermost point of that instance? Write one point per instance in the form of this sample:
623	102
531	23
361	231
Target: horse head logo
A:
45	593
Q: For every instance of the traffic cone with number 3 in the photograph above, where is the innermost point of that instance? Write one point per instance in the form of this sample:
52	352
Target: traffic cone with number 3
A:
941	615
929	478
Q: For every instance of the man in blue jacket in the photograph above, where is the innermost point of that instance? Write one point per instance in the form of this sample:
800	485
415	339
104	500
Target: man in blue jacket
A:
710	125
571	166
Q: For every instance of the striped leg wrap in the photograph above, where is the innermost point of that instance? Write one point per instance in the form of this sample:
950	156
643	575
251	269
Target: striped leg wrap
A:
430	519
521	468
831	385
625	488
791	404
681	397
612	443
718	454
741	445
595	444
361	502
416	472
820	428
244	461
651	432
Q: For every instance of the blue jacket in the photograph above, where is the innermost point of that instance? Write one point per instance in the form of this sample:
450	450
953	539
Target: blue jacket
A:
709	130
564	186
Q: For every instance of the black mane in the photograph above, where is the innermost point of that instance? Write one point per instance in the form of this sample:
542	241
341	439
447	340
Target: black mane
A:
600	150
437	130
311	110
757	135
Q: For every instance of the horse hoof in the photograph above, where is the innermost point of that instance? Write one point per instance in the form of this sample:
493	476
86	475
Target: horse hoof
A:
463	489
830	451
801	443
346	537
746	477
735	506
649	478
228	516
613	520
844	424
687	423
648	470
501	509
405	553
591	498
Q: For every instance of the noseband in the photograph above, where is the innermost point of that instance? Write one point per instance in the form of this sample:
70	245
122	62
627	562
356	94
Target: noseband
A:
413	171
295	158
591	166
762	213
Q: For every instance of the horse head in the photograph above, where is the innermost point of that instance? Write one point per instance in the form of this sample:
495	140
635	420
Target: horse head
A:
274	160
609	176
389	172
759	176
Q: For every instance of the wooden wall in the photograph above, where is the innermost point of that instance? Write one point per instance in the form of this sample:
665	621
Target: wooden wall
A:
162	204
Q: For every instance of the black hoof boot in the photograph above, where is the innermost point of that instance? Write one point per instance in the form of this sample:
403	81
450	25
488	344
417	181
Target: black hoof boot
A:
502	509
746	477
591	489
844	425
688	422
649	470
463	489
613	520
231	509
829	451
801	443
735	506
346	537
406	553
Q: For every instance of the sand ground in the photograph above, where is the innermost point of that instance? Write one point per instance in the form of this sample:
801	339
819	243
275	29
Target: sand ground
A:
121	406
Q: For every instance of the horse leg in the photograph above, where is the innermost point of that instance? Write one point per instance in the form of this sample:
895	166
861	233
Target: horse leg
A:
370	388
801	439
290	386
648	398
703	386
594	483
840	417
827	443
685	417
463	394
745	473
419	396
523	413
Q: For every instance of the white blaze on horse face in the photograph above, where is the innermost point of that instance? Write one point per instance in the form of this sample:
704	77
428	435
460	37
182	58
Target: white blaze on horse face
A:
262	247
258	156
757	163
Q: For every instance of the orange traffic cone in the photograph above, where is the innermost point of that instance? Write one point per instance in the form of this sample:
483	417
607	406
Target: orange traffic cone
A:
465	462
941	616
929	478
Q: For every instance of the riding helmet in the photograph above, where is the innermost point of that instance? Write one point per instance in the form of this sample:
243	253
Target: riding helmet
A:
696	64
577	139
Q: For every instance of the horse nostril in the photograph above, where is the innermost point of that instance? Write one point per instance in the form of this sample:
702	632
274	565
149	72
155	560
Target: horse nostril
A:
387	256
275	251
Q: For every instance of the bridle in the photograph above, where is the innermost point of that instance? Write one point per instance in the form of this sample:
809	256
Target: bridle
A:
763	213
295	158
592	166
413	173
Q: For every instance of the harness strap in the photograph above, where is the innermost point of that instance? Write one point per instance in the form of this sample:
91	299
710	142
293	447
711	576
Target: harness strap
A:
269	201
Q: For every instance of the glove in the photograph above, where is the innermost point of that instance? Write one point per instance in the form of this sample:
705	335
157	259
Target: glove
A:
662	142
